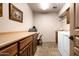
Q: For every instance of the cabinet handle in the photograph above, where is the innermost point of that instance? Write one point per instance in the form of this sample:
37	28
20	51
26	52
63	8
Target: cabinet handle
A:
71	37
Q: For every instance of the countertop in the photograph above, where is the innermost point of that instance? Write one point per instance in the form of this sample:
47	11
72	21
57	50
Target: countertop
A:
8	38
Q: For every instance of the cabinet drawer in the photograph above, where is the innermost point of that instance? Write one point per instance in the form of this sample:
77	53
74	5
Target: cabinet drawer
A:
76	51
77	41
25	41
24	52
9	51
27	51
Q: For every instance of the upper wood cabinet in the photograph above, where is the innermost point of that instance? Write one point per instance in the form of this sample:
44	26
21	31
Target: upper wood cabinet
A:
67	14
76	24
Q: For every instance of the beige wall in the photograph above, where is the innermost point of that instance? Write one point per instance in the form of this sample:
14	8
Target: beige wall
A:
47	24
7	25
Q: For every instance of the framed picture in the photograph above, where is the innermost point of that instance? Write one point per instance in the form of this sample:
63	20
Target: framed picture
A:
15	14
1	9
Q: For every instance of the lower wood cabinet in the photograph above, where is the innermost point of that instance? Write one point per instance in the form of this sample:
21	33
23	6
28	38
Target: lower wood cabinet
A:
24	52
25	42
10	50
30	49
34	43
24	47
27	51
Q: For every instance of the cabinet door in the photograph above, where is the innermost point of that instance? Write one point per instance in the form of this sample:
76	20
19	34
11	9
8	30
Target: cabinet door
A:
76	16
24	52
25	42
9	51
27	51
74	29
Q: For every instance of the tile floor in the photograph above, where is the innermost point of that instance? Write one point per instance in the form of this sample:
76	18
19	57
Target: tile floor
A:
47	49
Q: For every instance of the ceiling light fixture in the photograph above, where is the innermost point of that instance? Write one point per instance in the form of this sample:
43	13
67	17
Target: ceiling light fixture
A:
44	6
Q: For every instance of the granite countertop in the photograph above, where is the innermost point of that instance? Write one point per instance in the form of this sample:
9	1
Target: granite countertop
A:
6	39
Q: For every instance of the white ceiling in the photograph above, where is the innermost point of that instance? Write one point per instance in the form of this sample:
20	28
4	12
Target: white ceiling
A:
36	7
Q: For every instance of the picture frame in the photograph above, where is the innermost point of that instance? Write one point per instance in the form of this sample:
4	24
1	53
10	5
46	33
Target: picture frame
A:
15	13
1	9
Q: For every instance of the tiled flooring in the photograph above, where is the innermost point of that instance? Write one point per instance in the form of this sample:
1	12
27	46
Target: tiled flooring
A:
47	49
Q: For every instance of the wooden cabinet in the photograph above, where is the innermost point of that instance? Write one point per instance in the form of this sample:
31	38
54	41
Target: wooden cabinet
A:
26	47
10	50
76	41
30	48
34	43
23	47
76	16
25	42
74	29
76	46
24	52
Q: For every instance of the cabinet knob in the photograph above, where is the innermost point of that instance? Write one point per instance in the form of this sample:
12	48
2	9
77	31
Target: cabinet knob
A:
71	37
